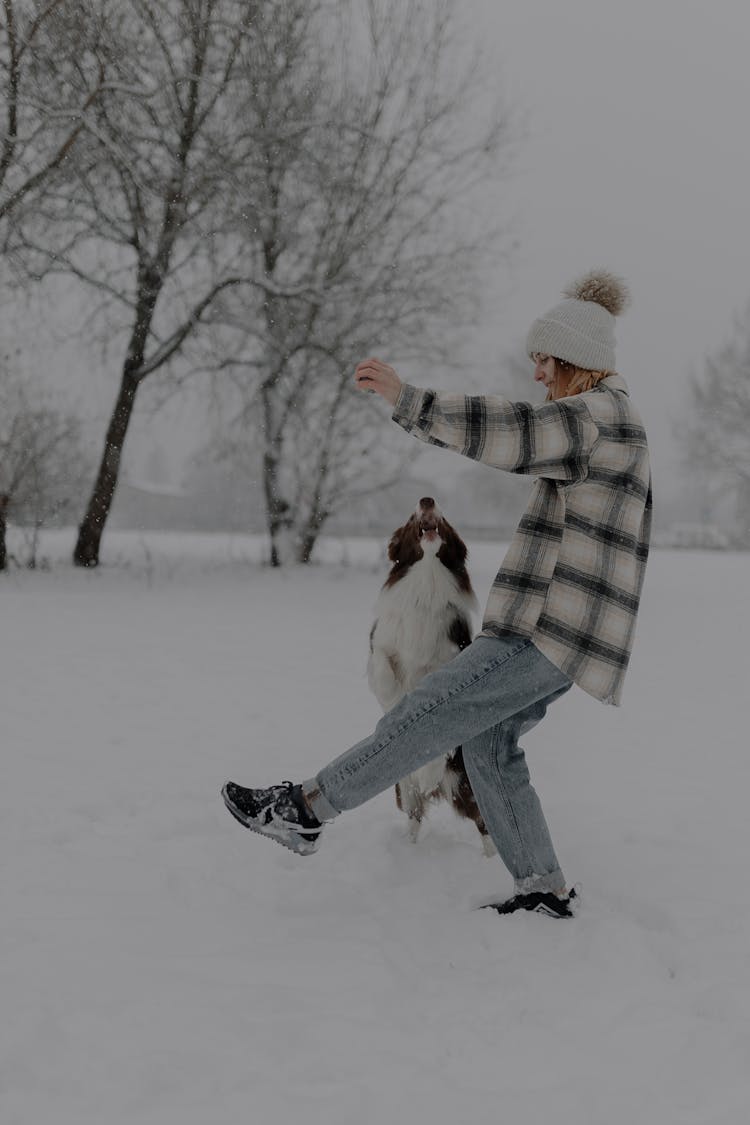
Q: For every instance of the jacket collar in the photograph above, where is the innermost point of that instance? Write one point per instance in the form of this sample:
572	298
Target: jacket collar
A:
615	383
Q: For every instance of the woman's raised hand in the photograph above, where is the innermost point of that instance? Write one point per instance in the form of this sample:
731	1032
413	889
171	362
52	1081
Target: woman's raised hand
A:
374	375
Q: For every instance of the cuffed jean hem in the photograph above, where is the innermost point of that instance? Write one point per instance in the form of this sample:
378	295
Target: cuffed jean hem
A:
553	881
317	800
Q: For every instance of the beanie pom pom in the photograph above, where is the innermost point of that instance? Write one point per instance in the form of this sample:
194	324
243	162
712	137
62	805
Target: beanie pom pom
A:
603	289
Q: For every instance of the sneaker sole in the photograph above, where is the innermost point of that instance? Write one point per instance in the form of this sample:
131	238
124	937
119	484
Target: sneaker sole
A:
260	830
522	910
541	908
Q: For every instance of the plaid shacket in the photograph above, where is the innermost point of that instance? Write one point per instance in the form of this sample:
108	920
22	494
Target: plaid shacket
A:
572	577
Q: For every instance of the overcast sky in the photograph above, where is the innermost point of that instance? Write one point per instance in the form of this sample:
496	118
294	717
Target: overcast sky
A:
635	157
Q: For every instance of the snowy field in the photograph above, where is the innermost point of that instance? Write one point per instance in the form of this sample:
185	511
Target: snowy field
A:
161	966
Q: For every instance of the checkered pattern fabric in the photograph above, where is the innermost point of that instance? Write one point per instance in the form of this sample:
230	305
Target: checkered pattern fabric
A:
572	577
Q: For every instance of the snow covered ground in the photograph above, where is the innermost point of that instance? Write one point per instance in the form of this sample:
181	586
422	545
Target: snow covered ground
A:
159	965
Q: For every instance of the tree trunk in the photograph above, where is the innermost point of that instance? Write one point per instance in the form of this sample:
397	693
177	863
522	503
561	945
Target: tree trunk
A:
3	529
742	527
279	518
279	515
319	512
309	534
90	531
34	545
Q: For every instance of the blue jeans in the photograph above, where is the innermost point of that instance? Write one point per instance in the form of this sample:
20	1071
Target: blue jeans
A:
484	700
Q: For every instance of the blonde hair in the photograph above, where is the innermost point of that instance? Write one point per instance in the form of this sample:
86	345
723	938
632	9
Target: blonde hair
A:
581	379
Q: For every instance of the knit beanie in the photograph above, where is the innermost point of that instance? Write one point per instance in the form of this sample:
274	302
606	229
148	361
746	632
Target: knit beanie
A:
581	329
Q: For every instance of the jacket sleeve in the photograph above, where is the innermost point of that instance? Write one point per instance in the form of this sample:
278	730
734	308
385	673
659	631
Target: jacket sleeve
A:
553	440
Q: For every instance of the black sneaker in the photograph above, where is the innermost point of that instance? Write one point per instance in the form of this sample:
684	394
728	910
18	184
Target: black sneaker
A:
540	902
279	813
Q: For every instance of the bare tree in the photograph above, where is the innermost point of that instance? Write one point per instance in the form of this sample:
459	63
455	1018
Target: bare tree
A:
318	157
145	225
51	72
373	132
717	432
41	461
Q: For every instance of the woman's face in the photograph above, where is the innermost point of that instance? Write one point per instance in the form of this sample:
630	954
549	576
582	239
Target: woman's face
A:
544	370
547	371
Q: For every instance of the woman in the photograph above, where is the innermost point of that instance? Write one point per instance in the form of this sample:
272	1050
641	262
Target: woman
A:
562	608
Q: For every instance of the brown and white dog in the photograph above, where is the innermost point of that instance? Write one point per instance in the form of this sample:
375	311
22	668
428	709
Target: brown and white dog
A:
423	619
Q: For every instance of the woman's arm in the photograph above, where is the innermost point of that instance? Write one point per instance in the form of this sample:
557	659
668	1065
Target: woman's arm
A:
553	439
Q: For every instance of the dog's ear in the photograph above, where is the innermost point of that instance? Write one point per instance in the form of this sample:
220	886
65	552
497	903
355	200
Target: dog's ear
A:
453	550
403	550
394	547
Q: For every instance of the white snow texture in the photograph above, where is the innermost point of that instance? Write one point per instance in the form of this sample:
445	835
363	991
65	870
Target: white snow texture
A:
161	966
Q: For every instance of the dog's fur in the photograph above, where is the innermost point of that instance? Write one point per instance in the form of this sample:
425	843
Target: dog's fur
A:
423	619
